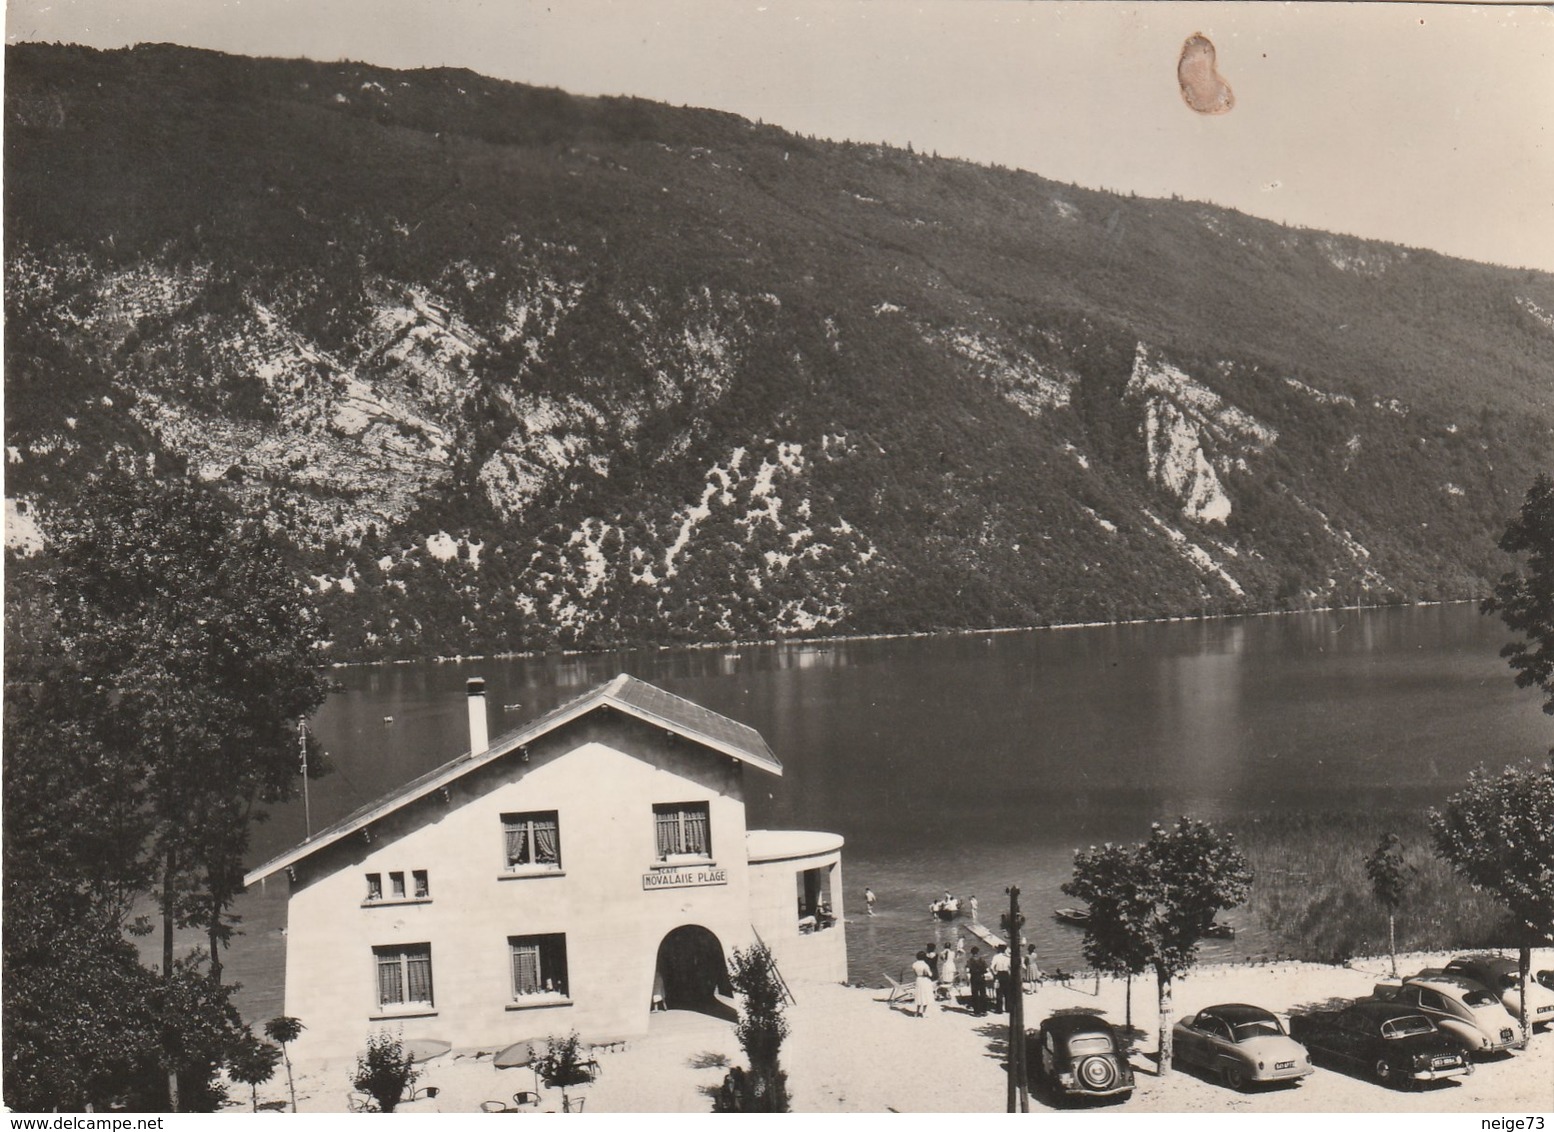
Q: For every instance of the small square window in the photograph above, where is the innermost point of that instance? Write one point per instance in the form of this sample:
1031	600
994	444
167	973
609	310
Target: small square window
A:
423	887
397	885
532	841
682	830
374	886
539	965
404	975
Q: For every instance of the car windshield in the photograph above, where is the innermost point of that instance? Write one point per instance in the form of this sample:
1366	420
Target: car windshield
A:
1261	1028
1479	998
1406	1027
1089	1043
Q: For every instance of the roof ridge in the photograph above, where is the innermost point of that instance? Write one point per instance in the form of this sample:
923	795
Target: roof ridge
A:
739	740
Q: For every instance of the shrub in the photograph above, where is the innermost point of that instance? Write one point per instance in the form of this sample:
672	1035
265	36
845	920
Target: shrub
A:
384	1071
762	1028
564	1064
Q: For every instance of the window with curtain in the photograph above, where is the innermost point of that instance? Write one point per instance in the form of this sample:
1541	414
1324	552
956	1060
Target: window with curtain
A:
404	975
374	886
532	840
539	965
683	830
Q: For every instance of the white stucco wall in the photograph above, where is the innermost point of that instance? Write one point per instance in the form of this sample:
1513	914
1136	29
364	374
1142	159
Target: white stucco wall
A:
777	858
603	796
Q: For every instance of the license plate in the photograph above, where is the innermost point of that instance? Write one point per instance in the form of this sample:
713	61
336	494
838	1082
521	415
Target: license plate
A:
1506	1035
1284	1065
1443	1063
1546	1010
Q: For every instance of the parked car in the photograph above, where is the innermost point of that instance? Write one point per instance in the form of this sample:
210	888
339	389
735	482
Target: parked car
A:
1392	1041
1546	978
1243	1044
1080	1055
1464	1010
1501	977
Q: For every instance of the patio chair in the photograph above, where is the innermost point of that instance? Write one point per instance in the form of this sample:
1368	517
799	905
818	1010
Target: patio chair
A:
360	1102
526	1097
493	1106
899	992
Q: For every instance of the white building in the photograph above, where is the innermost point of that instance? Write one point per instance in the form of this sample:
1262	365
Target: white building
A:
554	880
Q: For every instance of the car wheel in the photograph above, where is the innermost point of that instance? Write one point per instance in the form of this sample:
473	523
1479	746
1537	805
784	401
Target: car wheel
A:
1384	1071
1235	1077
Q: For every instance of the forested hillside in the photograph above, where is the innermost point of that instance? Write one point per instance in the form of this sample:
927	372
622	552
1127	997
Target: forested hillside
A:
514	369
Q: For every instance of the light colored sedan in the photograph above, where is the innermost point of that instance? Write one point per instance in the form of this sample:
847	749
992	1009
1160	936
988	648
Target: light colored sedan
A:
1501	976
1464	1010
1243	1044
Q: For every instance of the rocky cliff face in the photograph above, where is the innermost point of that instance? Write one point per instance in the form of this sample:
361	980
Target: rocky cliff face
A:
516	370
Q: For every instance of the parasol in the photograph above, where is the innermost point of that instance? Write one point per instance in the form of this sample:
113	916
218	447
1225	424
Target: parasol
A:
515	1056
424	1049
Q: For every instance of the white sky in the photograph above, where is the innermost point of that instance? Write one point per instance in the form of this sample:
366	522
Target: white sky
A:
1427	124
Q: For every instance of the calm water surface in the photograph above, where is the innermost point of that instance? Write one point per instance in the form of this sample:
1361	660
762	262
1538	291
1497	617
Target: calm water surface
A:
971	763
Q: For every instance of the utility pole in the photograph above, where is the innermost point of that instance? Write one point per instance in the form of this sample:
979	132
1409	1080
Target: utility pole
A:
307	809
1019	1085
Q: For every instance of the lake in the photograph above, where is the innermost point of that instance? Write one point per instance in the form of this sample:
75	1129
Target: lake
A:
973	762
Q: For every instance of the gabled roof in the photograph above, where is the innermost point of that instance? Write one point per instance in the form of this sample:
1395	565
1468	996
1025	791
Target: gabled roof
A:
624	693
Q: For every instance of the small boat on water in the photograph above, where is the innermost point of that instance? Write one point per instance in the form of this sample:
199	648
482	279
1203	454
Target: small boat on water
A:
946	909
1079	917
1217	930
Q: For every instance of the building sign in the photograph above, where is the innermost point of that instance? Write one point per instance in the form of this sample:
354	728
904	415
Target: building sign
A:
684	878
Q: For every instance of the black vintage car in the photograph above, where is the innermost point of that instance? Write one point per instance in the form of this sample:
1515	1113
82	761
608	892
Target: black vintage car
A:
1079	1055
1391	1041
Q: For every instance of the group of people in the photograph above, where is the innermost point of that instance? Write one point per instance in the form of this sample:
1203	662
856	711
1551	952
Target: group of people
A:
934	976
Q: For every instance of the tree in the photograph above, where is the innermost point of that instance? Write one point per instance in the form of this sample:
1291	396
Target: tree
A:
1389	876
1158	900
201	645
284	1029
193	647
1498	834
1525	602
253	1063
564	1065
76	1020
384	1070
1117	935
761	1031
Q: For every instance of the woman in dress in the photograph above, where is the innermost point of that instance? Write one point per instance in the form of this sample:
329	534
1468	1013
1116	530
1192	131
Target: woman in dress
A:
947	974
922	985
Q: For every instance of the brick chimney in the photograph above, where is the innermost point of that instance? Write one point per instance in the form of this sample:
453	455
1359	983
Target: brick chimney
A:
478	739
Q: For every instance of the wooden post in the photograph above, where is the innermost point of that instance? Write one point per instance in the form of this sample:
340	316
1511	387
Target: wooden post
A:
1019	1087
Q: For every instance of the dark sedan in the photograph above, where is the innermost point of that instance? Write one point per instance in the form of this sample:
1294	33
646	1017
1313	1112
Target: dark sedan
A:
1080	1055
1391	1041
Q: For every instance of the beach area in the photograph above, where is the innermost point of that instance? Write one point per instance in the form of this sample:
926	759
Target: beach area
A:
851	1051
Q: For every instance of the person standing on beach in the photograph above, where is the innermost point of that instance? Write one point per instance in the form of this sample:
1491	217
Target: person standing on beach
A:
868	899
976	969
922	984
972	904
930	953
947	973
1032	971
1001	979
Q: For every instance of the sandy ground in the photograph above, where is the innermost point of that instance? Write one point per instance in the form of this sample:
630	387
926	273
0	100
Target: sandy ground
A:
851	1052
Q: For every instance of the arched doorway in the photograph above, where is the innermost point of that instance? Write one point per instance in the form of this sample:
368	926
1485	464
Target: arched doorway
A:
691	973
